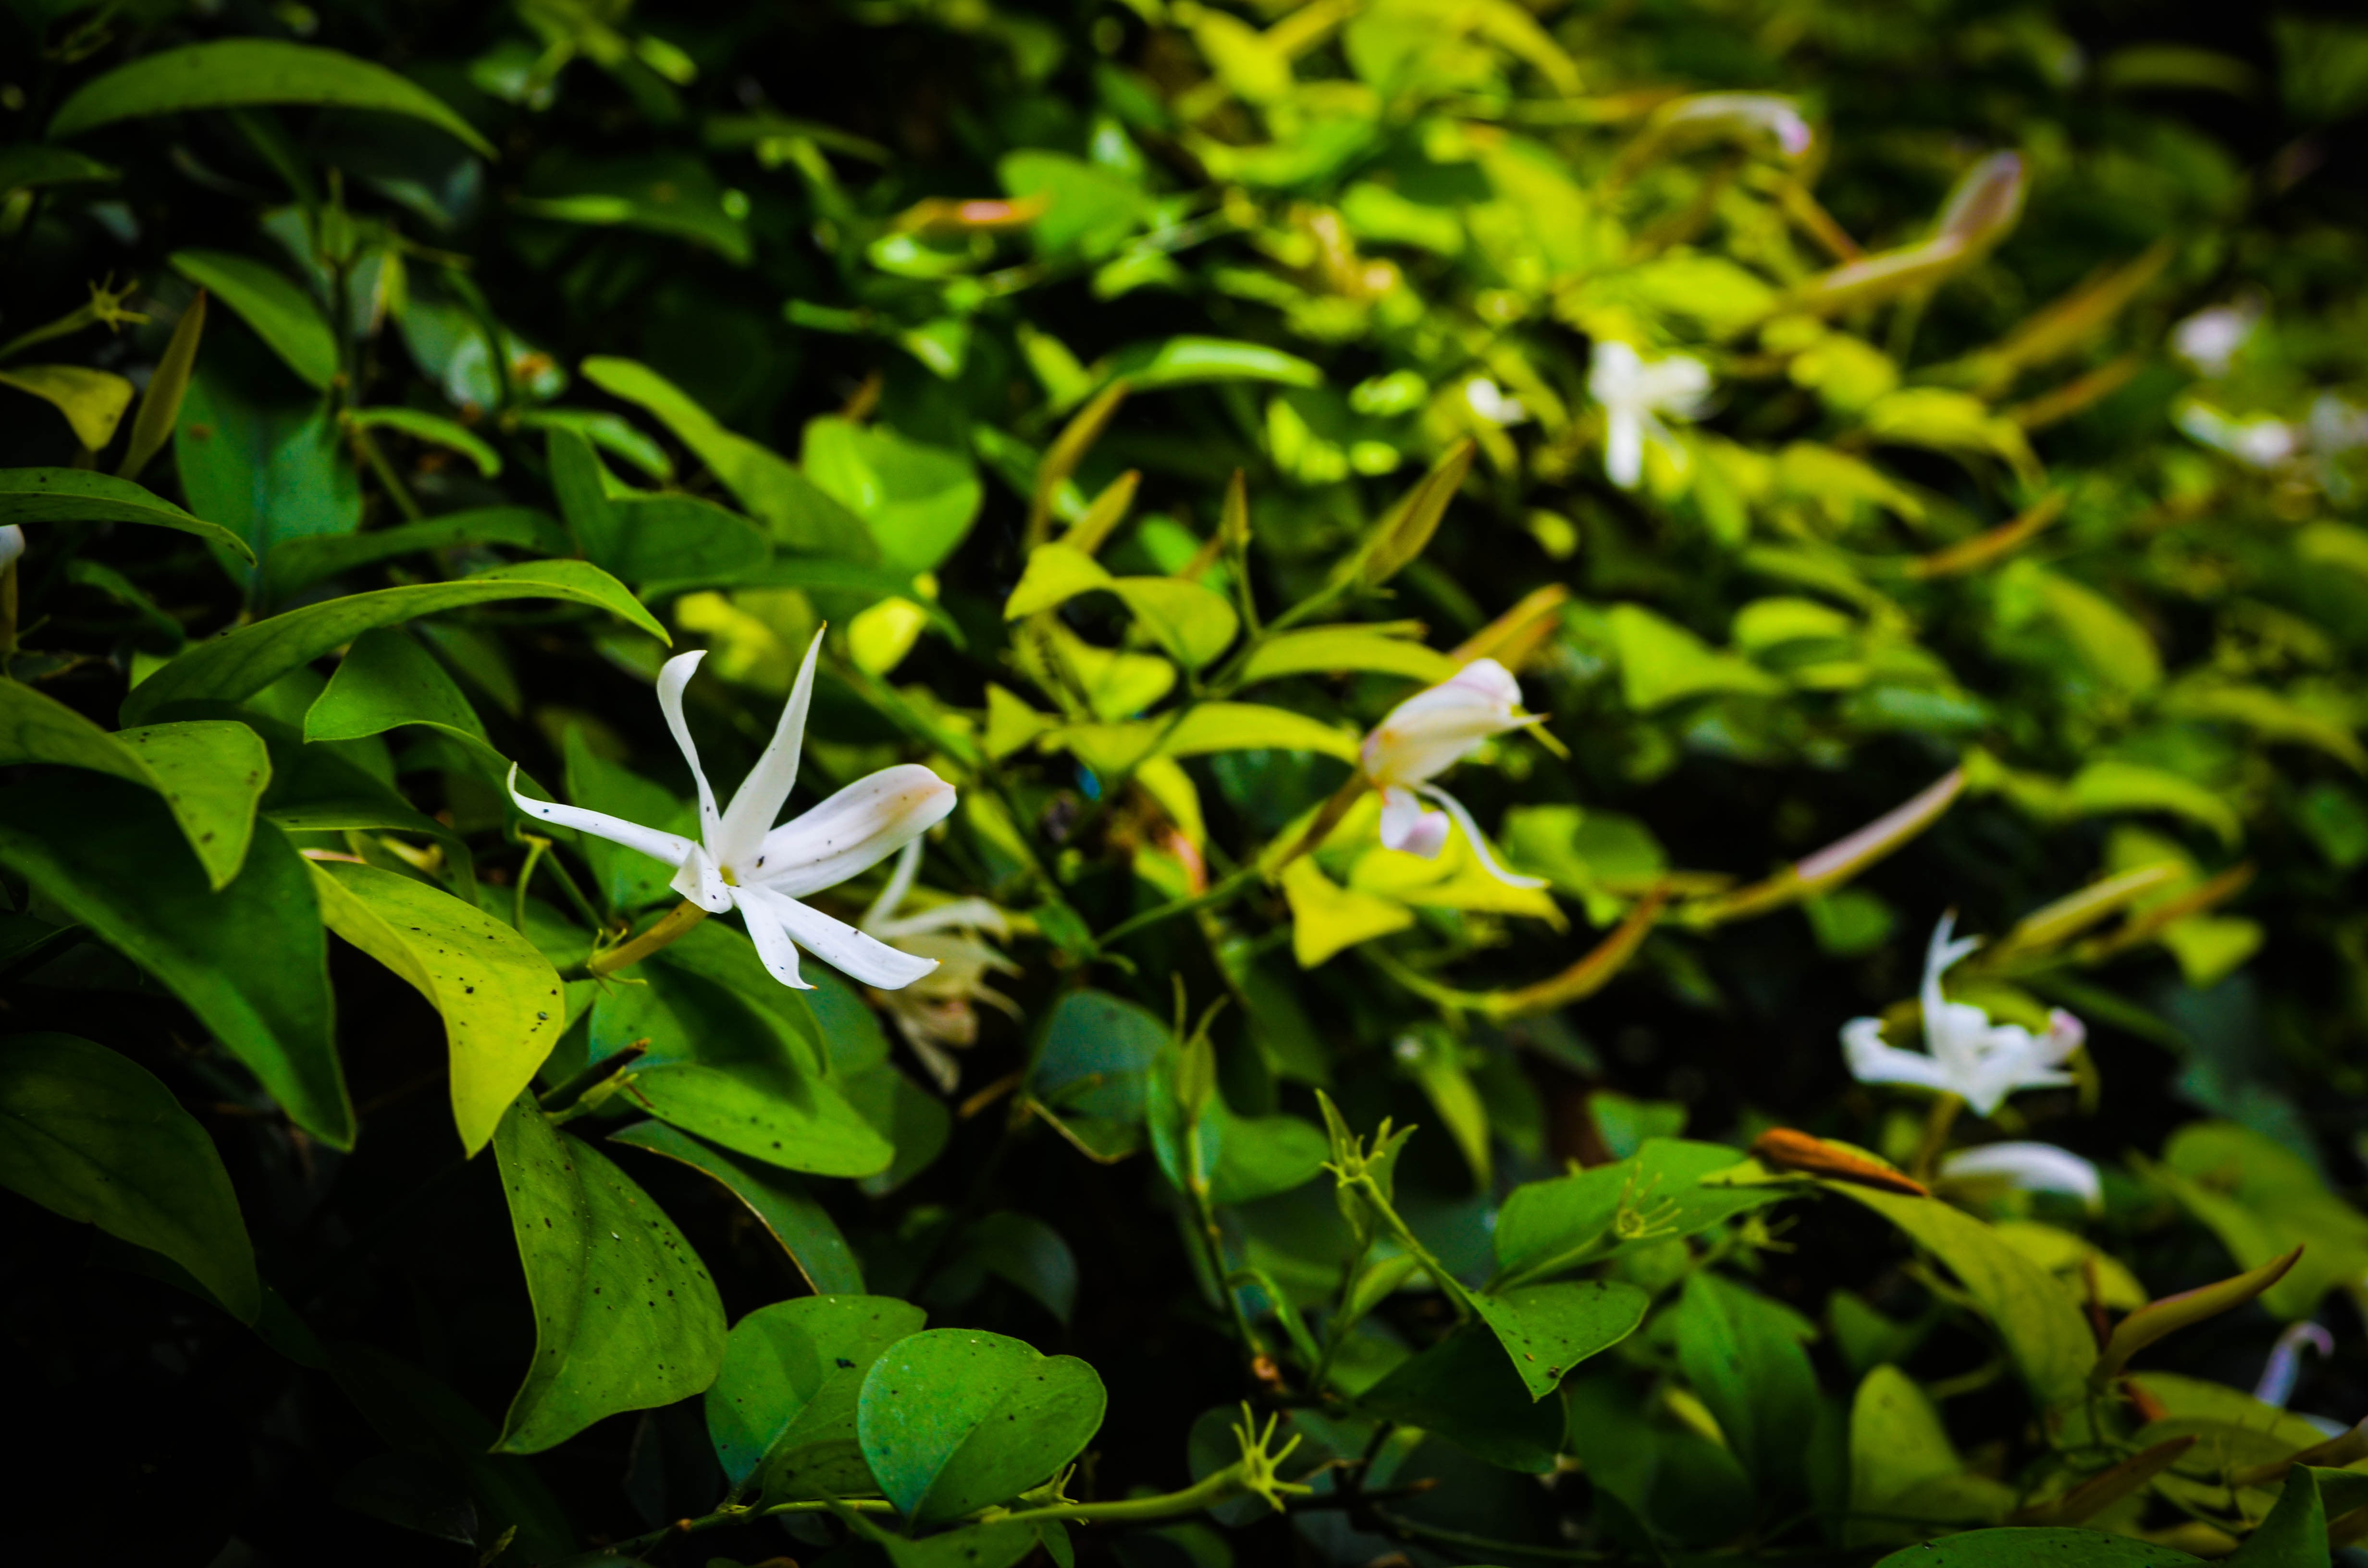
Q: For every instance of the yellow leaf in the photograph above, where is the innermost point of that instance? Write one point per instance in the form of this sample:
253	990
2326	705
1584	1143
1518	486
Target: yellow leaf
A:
1327	917
92	401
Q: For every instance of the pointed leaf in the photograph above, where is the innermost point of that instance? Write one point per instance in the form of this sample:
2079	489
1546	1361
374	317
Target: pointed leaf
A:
2171	1313
160	401
92	401
211	772
234	71
281	313
1549	1329
953	1419
781	1202
387	680
297	563
626	1315
94	1136
78	495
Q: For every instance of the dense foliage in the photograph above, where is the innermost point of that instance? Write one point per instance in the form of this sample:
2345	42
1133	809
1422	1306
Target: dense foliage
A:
1566	783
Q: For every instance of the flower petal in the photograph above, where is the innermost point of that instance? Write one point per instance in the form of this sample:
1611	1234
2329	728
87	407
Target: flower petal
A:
698	880
852	832
1408	824
1871	1061
954	915
2034	1167
1436	727
672	677
12	545
1479	844
670	847
840	945
762	916
766	790
900	882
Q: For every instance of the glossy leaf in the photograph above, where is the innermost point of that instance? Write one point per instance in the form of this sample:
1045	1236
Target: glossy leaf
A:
94	1136
1248	726
297	563
955	1419
918	501
230	72
797	1123
1465	1389
1548	1329
1189	361
642	536
782	1413
626	1317
282	314
212	774
78	495
250	961
499	997
1656	1194
1743	1356
92	401
238	665
1326	650
781	1202
387	680
271	469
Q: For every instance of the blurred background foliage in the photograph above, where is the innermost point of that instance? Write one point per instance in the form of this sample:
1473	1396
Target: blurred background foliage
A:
2025	436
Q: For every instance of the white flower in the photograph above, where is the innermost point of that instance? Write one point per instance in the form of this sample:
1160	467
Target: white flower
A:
2033	1167
1635	394
1493	404
1722	113
2257	441
2210	339
2284	1366
12	545
1426	735
936	1011
742	861
1980	1062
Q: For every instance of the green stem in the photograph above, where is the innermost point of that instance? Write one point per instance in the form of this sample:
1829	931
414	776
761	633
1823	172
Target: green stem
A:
1449	1286
399	493
1218	892
677	921
1213	1243
1943	1117
1217	1488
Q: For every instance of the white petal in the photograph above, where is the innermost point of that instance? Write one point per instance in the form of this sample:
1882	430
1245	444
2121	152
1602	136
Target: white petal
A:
657	845
954	915
2285	1367
2066	1034
900	882
672	677
1408	824
762	916
1623	445
766	790
1436	727
698	880
12	545
2005	1072
1479	844
2034	1167
852	832
840	945
1871	1061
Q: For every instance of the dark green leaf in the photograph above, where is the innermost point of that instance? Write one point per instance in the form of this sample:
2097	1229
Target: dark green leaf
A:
1087	1074
2294	1535
94	1136
233	71
387	680
1465	1389
642	537
782	1410
250	961
236	667
626	1317
1655	1195
282	314
1743	1354
790	1120
269	472
78	495
297	564
955	1419
29	163
1548	1329
2037	1549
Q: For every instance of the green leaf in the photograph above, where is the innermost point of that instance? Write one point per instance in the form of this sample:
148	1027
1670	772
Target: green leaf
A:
168	384
234	71
782	1410
1193	623
1022	1251
211	772
268	471
991	1543
1328	650
918	501
1654	1195
674	194
2119	650
79	495
250	961
625	1316
628	879
94	1136
92	401
1248	726
1661	662
2111	786
1899	1454
2262	1199
1191	361
1089	1068
281	313
797	512
1743	1354
434	429
387	680
907	1115
779	1202
955	1419
2037	1549
1549	1329
641	536
208	775
236	667
499	997
2050	1343
297	564
1055	573
2294	1535
29	165
1466	1391
789	1119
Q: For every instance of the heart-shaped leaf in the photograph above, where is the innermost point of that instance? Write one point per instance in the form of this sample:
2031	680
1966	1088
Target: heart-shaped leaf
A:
783	1407
955	1419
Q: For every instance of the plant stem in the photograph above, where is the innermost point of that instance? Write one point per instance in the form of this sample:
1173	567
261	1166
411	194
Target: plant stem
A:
1944	1116
399	493
1213	1241
677	920
1449	1286
1220	892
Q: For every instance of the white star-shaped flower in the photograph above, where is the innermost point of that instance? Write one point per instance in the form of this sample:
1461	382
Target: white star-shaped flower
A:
742	861
1635	393
1966	1055
1426	735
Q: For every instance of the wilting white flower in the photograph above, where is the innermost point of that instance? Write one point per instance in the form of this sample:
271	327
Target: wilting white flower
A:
1426	735
2211	339
1636	394
12	545
1968	1056
2284	1366
742	861
1489	402
937	1010
2258	442
2032	1167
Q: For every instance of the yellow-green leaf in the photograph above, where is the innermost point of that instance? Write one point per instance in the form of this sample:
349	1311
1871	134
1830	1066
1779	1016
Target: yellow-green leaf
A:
92	401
